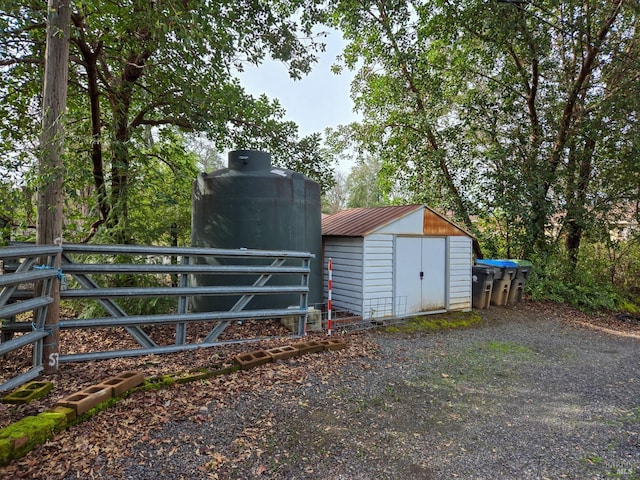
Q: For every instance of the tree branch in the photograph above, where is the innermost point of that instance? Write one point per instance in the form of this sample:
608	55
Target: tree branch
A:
578	85
16	61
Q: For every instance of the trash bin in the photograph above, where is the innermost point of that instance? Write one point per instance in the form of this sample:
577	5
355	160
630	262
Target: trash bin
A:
504	273
519	280
482	276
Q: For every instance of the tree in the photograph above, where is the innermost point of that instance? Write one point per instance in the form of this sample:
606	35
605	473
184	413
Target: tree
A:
400	93
146	64
335	199
209	159
520	109
363	184
305	156
557	71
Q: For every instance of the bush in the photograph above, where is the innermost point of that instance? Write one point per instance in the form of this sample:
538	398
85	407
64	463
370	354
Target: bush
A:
590	286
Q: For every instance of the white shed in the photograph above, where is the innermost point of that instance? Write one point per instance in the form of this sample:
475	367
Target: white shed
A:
396	261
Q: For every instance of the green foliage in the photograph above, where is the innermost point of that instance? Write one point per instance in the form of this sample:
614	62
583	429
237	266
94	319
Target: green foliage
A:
363	184
136	68
480	108
334	199
586	287
131	305
498	236
305	156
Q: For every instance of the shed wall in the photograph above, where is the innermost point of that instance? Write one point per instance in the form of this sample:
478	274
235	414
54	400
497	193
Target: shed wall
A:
459	273
347	255
377	285
411	224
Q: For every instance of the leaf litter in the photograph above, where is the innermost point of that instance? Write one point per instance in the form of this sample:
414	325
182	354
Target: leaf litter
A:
129	429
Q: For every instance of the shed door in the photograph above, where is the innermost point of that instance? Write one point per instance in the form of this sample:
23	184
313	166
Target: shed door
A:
420	274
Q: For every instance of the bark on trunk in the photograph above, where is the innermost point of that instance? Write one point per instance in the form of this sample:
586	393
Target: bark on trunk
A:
51	168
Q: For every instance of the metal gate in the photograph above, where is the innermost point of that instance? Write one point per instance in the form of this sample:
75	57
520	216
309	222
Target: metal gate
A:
84	265
30	267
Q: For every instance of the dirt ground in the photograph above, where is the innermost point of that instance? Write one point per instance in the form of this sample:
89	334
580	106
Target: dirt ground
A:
532	391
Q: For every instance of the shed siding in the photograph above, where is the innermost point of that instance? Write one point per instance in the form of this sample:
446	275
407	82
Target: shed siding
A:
459	273
410	224
347	256
377	284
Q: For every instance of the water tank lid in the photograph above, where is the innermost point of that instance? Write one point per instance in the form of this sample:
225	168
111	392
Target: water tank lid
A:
249	160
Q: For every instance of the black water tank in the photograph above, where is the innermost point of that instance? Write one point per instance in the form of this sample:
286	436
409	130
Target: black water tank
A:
253	205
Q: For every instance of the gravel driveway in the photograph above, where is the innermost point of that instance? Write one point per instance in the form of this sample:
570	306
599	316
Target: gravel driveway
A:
524	396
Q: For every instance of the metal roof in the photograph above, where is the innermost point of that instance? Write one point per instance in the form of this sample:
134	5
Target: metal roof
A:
358	222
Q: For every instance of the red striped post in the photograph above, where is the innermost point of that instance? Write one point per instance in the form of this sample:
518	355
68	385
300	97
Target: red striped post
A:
329	303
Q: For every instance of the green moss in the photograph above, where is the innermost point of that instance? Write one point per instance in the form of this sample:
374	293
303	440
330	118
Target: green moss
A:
486	362
225	371
68	413
6	447
59	419
203	374
97	409
157	383
200	370
438	322
193	377
35	430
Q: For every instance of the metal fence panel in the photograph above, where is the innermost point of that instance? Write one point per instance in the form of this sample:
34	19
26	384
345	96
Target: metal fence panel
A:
81	262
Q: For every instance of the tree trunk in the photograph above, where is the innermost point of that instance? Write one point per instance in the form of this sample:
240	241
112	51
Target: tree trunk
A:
576	208
120	163
90	60
51	168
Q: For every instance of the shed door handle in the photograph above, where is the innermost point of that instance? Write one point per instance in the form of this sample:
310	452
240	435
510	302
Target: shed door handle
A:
421	275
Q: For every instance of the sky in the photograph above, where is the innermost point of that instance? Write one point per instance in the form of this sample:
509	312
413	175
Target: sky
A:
318	101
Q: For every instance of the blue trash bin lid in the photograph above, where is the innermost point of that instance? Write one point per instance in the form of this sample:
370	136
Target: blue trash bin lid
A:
497	263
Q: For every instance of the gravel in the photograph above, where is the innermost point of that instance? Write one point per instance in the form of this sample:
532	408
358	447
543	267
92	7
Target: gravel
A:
525	395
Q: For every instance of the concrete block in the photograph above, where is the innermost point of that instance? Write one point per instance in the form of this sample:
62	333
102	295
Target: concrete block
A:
57	421
6	449
193	377
314	320
309	347
252	359
20	442
225	370
87	398
123	382
69	413
28	392
333	344
282	353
